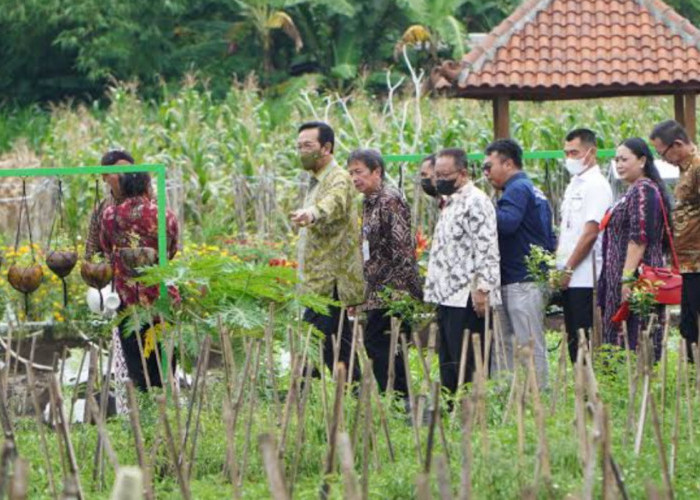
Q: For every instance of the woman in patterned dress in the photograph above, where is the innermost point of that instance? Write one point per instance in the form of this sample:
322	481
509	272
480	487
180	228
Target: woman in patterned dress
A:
134	224
634	235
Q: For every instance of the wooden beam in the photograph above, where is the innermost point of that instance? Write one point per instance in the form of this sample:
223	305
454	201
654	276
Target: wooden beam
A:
689	116
679	108
501	117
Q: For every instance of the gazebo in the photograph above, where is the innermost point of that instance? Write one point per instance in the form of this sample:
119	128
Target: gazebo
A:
580	49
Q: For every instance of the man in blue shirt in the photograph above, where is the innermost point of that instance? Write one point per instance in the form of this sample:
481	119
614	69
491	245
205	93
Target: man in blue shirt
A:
524	219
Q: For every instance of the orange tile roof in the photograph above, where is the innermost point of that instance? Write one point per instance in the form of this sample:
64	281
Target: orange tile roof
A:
556	48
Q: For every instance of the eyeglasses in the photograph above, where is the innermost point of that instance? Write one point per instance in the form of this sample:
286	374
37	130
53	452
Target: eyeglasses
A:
663	155
445	176
486	168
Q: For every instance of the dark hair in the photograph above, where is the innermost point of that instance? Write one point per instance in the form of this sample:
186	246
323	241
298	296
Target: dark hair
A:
113	156
670	131
585	135
457	154
371	158
507	148
430	158
640	148
134	184
325	132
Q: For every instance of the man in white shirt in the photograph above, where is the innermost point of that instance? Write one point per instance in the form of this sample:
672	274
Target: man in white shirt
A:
463	271
587	198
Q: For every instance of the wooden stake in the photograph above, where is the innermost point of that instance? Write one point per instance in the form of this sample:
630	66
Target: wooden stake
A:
661	449
65	432
465	490
273	469
443	476
335	426
347	466
170	441
135	420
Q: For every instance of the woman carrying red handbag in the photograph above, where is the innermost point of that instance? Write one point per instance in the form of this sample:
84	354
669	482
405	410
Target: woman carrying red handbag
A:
634	235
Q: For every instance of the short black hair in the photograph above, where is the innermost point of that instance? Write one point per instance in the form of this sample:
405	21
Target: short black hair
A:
371	158
113	156
670	131
507	148
325	132
585	135
134	184
458	155
430	158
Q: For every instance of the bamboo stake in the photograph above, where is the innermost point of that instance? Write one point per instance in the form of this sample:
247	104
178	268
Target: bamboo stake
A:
560	380
19	483
135	420
251	411
677	411
443	476
335	427
271	364
65	433
543	449
393	342
366	439
273	469
188	465
230	449
195	392
347	466
92	374
606	445
423	486
661	449
465	490
645	395
435	400
300	426
353	347
689	401
102	431
170	441
74	393
288	404
98	463
463	361
37	418
415	423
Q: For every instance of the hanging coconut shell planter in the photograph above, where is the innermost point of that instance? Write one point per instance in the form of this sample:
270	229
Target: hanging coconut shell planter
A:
138	257
62	260
96	274
24	274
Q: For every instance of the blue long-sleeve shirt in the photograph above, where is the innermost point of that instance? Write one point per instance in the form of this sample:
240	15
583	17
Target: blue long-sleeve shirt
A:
524	218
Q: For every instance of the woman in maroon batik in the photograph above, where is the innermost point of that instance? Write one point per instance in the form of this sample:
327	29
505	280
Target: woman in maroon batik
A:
634	235
134	224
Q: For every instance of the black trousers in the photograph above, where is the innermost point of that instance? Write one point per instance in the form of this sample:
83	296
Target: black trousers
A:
328	325
578	314
132	357
690	310
378	344
452	322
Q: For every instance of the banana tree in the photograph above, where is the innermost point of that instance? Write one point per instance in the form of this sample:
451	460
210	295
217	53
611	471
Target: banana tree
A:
263	17
436	24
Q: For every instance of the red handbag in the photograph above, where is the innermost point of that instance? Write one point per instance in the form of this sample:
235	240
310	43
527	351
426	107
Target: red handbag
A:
666	283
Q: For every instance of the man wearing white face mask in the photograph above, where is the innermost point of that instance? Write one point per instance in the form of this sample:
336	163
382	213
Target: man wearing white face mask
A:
586	200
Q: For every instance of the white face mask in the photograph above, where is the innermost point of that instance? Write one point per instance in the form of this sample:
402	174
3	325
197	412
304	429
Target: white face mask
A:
576	166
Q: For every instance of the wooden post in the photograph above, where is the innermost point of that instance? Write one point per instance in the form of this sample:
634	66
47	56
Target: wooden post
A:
679	108
690	115
501	117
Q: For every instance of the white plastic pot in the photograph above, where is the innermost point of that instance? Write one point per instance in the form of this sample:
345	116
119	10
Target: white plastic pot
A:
109	304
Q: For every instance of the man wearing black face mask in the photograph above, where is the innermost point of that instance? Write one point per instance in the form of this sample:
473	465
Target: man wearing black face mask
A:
427	176
463	271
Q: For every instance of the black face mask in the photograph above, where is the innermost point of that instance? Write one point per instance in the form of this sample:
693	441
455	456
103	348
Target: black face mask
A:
428	187
446	186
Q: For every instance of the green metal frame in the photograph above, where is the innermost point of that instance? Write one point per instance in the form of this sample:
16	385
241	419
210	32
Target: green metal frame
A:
528	155
157	169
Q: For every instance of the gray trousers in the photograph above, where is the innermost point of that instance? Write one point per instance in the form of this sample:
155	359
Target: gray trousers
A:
522	318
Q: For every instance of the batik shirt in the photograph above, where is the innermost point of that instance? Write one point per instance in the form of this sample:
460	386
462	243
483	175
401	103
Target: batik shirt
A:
686	216
388	247
132	224
329	248
464	255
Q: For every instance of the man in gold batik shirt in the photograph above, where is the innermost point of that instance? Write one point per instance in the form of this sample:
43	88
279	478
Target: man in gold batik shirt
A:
330	262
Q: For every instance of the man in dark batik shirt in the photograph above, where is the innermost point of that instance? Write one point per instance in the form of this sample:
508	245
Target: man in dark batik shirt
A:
389	259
